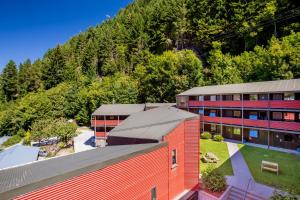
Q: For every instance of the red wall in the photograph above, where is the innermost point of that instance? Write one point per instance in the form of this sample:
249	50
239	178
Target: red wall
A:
192	153
130	179
175	140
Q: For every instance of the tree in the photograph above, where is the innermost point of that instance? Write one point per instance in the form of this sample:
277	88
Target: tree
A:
29	78
64	130
54	71
10	81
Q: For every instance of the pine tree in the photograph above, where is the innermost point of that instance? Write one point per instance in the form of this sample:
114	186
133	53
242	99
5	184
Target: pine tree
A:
10	81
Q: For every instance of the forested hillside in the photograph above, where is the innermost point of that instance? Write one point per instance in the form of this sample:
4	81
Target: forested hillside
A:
151	51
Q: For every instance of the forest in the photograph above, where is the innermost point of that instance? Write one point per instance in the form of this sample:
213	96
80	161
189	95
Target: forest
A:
149	52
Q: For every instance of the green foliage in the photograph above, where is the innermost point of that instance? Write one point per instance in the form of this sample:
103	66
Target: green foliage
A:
15	139
27	138
282	196
167	75
61	145
218	138
10	81
205	135
213	180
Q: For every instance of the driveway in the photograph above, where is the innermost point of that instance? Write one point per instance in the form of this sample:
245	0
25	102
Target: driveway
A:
84	141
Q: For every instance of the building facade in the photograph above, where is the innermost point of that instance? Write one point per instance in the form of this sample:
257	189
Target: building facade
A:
108	116
265	113
165	168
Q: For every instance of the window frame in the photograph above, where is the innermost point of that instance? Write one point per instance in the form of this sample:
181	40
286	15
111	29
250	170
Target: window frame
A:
174	158
154	193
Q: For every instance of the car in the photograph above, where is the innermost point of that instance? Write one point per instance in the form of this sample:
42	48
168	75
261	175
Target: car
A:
43	153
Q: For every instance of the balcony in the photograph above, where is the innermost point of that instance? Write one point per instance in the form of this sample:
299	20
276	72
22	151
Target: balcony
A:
100	134
294	104
291	126
283	125
105	122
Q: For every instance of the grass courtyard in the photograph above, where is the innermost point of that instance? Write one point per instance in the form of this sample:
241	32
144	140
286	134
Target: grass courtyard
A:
221	151
289	167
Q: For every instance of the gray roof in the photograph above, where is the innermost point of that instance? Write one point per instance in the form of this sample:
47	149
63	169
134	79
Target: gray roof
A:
18	155
119	109
151	124
153	105
254	87
23	179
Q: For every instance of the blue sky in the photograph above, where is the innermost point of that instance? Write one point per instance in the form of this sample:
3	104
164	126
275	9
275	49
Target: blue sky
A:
28	28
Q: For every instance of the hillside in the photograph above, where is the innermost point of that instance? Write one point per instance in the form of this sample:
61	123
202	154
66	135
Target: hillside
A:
151	51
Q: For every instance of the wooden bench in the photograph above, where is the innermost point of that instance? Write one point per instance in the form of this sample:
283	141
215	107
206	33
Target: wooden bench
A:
270	166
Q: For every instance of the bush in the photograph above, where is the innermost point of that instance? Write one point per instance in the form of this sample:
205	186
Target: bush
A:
205	135
27	138
61	145
218	138
282	196
213	180
11	141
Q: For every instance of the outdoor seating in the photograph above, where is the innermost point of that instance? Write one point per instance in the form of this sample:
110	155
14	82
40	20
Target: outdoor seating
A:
270	166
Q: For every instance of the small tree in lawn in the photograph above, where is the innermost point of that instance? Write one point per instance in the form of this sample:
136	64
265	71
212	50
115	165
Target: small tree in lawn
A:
65	130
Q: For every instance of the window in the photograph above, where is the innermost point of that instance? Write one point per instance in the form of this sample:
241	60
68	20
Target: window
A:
253	97
109	129
99	117
228	129
201	111
236	131
253	133
289	96
201	98
213	113
123	117
192	98
227	97
100	129
213	127
174	157
253	115
288	138
237	113
112	117
213	98
263	97
277	115
153	194
236	97
277	97
289	116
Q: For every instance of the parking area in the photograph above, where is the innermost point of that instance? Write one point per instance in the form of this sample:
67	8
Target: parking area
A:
84	141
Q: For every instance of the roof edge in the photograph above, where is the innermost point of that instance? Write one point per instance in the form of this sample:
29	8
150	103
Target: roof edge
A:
10	194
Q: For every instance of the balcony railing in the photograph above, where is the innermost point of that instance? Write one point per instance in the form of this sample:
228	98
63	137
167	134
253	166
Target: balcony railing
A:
291	104
283	125
105	122
100	134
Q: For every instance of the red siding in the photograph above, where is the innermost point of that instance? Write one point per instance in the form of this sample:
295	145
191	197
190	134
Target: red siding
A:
100	134
106	122
212	119
192	153
229	120
256	123
130	179
295	104
175	140
292	126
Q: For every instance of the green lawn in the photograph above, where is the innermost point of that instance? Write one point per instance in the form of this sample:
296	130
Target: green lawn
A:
289	167
221	151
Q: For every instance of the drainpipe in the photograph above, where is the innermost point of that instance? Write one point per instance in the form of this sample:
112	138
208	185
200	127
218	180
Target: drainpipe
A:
242	96
269	120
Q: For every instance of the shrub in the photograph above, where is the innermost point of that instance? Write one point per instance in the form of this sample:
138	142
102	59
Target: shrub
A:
282	196
213	180
11	141
205	135
218	138
27	138
61	145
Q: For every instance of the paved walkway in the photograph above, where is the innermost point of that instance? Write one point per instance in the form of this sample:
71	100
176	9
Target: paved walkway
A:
242	175
84	141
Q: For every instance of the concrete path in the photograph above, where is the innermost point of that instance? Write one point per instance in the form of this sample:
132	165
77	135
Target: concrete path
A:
84	141
242	175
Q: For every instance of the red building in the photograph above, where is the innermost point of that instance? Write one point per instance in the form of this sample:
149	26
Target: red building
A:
151	155
108	116
262	112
